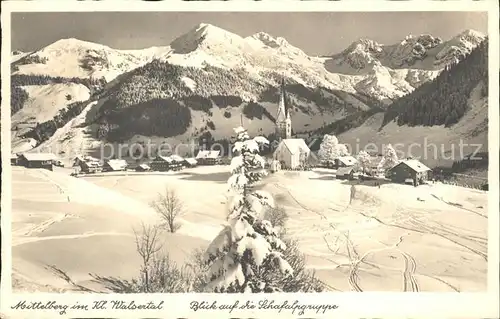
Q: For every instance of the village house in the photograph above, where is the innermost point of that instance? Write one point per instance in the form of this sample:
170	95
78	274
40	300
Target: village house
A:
345	161
346	172
208	157
190	162
165	163
410	169
115	165
37	160
85	158
90	167
143	168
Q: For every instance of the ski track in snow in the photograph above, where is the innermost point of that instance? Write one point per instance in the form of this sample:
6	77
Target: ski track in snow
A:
27	240
409	268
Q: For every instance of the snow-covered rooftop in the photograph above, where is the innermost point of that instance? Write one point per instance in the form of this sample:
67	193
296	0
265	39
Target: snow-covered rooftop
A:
207	154
415	165
347	160
39	156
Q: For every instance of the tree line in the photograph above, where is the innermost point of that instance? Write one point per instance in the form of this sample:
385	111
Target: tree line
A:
443	101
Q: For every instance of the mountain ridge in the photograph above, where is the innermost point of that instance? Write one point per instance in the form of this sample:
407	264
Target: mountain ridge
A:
217	75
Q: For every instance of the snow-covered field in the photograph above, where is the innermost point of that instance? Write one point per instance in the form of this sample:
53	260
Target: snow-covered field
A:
392	238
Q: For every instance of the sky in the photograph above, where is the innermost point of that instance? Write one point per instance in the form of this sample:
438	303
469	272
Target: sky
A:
316	33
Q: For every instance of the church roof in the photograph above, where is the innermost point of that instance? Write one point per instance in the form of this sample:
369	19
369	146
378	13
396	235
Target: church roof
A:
294	145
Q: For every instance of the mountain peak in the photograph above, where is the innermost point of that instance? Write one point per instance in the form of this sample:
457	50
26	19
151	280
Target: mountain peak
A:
204	35
472	36
72	44
269	40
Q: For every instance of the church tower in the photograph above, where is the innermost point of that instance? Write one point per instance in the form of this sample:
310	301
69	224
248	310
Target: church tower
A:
283	120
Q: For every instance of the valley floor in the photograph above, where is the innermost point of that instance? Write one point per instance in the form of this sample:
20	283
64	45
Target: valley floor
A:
392	238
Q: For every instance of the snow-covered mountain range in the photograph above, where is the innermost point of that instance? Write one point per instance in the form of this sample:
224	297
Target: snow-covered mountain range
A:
217	75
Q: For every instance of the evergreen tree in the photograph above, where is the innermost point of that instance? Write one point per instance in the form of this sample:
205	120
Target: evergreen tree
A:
443	101
389	159
247	252
363	160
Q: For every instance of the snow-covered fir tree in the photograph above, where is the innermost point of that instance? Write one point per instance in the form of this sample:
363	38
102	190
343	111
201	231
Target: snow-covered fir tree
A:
342	150
330	148
389	159
363	160
245	253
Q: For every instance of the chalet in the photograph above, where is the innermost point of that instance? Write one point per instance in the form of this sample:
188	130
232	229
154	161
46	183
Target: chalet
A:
208	157
80	159
143	168
90	167
115	165
409	169
37	160
164	163
346	172
190	162
292	153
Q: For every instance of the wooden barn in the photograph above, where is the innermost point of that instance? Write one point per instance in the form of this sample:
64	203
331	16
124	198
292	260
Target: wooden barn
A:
115	165
37	160
292	153
409	169
208	157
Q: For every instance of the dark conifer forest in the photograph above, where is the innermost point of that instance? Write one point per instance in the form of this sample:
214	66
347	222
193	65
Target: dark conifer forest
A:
443	101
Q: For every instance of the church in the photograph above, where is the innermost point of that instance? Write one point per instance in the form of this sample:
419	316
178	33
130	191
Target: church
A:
291	153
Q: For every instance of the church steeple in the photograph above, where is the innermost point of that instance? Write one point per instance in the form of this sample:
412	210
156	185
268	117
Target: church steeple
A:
283	120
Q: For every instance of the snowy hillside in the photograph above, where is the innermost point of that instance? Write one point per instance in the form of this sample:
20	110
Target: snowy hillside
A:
205	79
75	58
472	130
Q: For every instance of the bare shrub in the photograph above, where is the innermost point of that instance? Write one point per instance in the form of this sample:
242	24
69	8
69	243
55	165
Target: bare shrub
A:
159	274
147	246
198	269
164	276
170	208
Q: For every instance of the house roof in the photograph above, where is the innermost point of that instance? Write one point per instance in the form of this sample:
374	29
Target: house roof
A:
176	158
191	161
39	156
167	159
117	164
344	170
415	165
86	158
207	154
90	164
295	145
347	160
